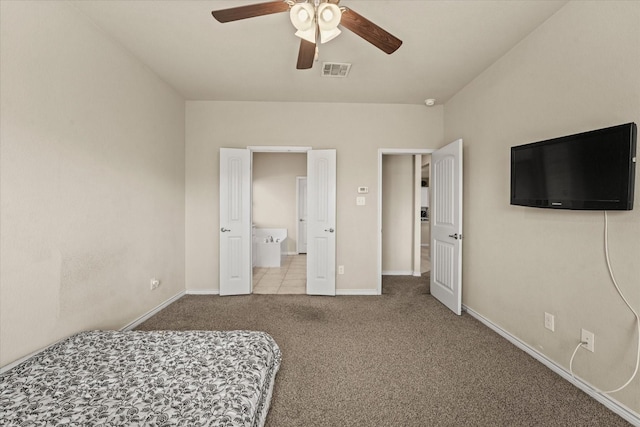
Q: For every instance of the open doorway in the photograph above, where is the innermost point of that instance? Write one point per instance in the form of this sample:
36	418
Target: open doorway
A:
400	250
405	228
425	225
279	263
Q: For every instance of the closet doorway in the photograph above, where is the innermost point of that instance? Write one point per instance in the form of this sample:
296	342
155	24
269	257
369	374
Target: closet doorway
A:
405	229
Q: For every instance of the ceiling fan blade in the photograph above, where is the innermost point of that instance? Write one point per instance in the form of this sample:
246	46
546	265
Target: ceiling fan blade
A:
306	55
250	11
369	31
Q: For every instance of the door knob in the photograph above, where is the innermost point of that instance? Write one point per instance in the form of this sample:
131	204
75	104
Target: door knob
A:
224	230
455	236
330	230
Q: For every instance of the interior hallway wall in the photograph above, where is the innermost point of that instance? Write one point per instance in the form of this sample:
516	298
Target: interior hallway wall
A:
398	188
357	131
576	72
91	180
274	192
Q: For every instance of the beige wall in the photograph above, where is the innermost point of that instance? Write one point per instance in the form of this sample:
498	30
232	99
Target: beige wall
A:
274	191
398	184
92	180
355	130
577	72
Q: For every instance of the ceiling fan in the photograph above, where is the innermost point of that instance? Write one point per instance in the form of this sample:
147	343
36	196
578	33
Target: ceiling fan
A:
315	20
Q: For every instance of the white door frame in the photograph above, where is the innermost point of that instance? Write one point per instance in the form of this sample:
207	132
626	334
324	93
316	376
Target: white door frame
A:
278	149
382	152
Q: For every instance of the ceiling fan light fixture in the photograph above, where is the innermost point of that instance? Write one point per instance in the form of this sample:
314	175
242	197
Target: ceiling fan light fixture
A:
329	12
326	36
303	18
309	35
328	19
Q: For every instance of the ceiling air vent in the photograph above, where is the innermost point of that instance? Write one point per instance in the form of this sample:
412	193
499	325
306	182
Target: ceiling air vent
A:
335	69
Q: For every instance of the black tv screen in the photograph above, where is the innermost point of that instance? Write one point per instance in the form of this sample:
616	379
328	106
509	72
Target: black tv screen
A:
587	171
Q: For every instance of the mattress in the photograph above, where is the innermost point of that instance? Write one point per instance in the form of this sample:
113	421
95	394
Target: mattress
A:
136	378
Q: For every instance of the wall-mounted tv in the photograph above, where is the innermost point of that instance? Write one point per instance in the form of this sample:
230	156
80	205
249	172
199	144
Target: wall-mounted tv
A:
587	171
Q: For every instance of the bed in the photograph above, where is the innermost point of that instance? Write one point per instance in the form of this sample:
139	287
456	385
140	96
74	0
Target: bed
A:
150	378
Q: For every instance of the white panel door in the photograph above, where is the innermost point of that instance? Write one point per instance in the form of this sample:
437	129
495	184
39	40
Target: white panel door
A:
235	221
321	222
301	191
446	226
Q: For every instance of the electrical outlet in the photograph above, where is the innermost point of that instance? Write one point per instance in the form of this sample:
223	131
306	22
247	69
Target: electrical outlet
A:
550	321
341	269
155	283
589	338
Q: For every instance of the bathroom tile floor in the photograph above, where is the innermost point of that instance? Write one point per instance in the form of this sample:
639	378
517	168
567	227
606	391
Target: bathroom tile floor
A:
290	278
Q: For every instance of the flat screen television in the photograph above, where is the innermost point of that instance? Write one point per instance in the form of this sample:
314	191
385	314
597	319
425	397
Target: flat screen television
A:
587	171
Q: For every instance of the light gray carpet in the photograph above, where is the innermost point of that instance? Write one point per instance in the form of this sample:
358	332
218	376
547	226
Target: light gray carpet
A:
400	359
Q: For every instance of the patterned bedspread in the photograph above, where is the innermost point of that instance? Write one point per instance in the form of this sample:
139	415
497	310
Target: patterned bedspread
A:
159	378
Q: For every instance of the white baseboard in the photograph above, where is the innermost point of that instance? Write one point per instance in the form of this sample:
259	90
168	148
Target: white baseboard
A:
397	272
612	404
341	292
151	312
203	292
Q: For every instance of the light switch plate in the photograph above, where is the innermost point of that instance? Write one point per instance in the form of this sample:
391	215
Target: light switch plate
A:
360	201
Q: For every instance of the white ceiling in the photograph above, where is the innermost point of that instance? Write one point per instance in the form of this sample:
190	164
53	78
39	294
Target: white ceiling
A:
445	45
